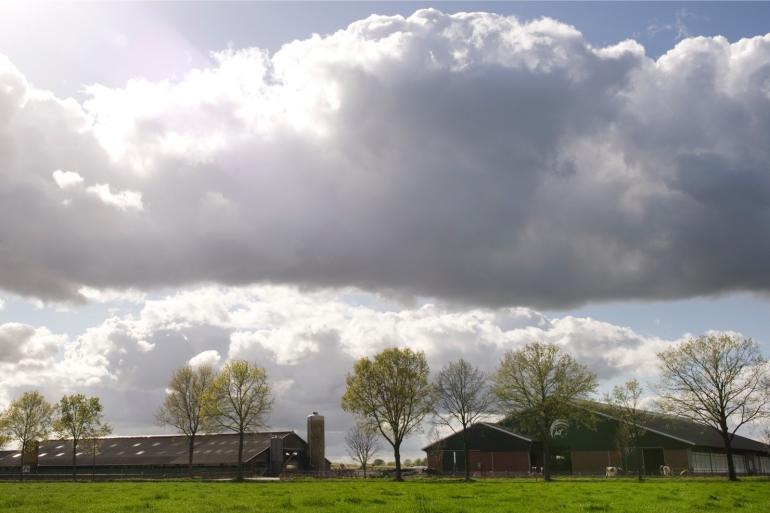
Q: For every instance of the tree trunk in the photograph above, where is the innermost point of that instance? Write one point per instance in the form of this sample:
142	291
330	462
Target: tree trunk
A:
640	454
240	455
397	454
467	455
191	451
729	450
364	467
21	462
546	460
74	460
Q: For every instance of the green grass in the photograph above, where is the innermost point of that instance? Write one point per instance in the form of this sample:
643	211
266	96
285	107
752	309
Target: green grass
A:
425	496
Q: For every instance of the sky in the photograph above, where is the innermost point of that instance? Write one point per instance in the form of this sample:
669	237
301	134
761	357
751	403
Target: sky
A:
302	184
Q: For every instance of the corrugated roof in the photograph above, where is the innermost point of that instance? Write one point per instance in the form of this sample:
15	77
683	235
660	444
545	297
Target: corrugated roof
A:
216	449
490	425
686	430
505	430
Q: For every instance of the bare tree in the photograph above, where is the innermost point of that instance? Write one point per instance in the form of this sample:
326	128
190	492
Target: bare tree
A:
93	442
393	390
77	417
239	400
182	407
27	421
541	386
624	405
717	380
361	441
464	397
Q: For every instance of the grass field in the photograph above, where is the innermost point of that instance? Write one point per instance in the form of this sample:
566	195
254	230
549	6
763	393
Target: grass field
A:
487	496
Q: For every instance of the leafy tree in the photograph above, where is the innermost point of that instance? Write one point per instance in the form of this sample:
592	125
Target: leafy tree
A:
378	462
182	407
717	380
361	441
464	397
77	417
624	406
393	390
27	421
540	385
239	400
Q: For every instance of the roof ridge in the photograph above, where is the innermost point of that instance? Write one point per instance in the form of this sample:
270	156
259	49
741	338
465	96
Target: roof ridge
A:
181	435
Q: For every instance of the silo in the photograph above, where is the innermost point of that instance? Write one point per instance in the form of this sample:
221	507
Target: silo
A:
316	444
276	454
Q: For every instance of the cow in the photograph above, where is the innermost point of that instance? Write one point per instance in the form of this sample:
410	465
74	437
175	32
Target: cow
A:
612	471
665	470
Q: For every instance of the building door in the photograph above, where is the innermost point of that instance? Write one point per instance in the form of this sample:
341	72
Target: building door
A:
653	459
453	462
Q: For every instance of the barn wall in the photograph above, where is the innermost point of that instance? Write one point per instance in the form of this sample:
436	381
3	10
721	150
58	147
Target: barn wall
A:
500	461
480	461
511	461
594	462
677	459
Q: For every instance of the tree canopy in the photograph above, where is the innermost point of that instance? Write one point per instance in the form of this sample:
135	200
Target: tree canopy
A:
718	380
392	389
183	406
27	420
78	417
463	398
239	400
541	385
624	405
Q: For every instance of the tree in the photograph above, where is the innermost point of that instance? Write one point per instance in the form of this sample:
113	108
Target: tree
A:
717	380
361	441
77	417
239	400
182	407
624	405
93	442
464	397
540	385
27	421
378	462
393	390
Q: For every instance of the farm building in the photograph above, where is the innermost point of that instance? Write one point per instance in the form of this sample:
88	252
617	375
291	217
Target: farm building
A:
264	453
579	450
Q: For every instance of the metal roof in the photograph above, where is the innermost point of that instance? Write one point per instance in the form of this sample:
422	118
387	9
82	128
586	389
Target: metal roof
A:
216	449
682	429
489	425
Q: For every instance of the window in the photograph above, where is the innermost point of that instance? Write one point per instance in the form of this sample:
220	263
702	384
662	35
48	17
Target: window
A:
708	463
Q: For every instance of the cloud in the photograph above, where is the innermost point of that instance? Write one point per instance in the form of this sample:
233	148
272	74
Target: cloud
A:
211	358
471	158
123	200
66	179
307	341
678	26
19	342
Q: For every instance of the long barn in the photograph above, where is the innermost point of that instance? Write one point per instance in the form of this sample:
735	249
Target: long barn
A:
264	453
678	443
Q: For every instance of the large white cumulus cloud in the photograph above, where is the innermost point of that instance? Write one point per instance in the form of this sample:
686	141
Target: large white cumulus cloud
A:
470	157
306	341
